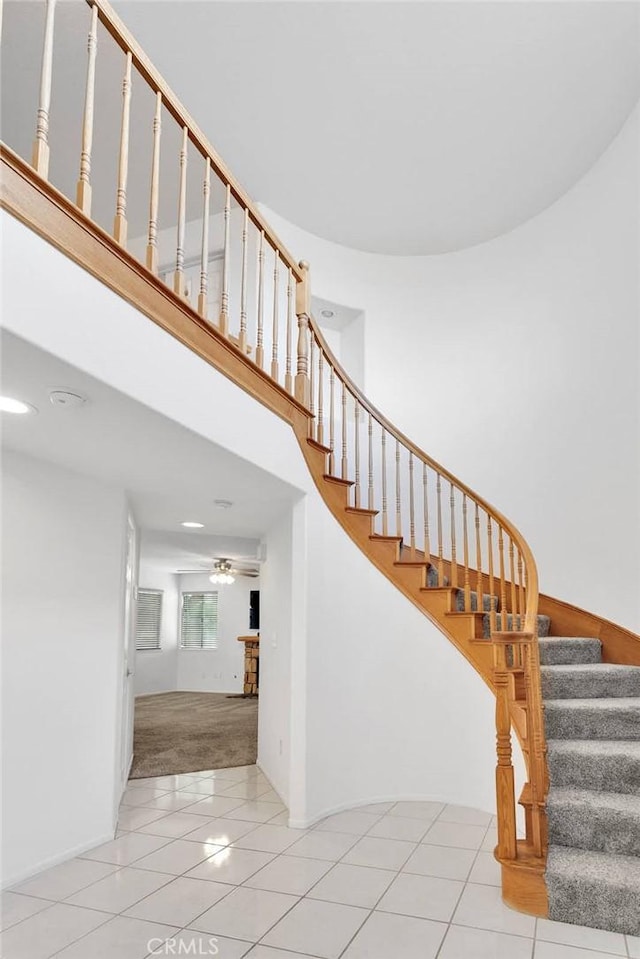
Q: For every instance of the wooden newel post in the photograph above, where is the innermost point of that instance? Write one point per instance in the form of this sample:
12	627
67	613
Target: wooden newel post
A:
303	311
505	782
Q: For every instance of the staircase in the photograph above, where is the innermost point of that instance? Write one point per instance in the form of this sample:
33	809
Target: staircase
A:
573	703
592	719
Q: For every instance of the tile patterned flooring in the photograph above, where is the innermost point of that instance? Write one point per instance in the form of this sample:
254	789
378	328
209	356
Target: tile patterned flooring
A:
205	864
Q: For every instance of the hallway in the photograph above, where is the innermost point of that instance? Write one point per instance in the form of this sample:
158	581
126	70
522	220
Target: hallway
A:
206	863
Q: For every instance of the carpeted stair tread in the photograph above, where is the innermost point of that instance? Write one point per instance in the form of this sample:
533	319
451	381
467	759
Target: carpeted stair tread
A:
513	622
486	601
601	821
590	681
557	650
595	764
592	718
594	889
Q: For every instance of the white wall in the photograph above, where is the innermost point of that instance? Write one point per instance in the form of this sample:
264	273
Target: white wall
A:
516	364
157	669
62	618
219	670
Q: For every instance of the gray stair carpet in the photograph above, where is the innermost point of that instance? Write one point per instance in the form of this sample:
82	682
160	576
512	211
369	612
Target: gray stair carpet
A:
592	722
512	622
486	602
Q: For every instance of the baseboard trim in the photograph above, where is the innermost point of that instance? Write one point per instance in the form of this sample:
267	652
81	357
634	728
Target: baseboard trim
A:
308	821
55	861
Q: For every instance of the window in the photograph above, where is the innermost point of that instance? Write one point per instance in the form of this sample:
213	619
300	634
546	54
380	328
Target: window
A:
199	621
148	618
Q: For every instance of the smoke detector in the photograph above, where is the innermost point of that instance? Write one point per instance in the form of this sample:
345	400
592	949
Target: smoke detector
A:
67	399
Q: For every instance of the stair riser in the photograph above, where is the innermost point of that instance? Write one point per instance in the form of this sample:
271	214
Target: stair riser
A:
486	602
587	724
592	686
586	903
584	652
513	623
567	770
601	830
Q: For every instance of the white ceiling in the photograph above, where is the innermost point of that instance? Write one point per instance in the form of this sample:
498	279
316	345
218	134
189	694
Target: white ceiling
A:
402	128
170	474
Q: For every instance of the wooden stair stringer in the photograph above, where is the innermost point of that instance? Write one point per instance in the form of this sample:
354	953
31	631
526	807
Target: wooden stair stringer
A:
384	552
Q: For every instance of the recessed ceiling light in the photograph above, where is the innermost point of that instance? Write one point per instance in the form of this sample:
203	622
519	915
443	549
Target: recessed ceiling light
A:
191	525
222	503
327	313
10	405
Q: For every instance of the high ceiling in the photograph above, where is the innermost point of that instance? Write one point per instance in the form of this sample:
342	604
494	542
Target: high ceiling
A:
403	128
171	475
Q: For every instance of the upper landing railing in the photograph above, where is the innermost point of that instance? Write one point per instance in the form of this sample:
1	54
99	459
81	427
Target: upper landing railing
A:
199	232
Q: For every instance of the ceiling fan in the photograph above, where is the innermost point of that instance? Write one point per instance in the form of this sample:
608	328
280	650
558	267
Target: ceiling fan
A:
223	571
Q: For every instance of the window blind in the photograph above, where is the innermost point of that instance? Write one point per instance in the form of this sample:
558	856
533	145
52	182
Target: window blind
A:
199	621
148	618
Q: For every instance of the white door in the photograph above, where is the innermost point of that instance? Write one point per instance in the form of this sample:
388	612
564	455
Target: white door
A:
128	659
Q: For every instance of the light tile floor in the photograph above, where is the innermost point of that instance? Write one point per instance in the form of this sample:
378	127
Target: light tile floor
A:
205	865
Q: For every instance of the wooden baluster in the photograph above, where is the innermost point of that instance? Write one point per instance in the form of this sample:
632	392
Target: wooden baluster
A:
332	416
412	510
479	577
242	339
83	189
204	250
440	549
224	300
356	418
425	515
312	386
320	423
178	276
260	317
303	311
385	523
512	571
288	377
398	492
344	431
120	221
465	543
505	779
152	242
40	154
370	484
521	609
493	619
454	555
504	621
275	371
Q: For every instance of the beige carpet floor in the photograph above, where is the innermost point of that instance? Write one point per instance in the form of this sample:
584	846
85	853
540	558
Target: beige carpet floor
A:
188	732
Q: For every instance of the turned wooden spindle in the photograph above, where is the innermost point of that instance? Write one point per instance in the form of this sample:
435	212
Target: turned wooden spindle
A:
505	778
493	618
439	515
320	423
178	276
479	577
120	221
465	546
312	385
370	498
512	572
40	154
454	555
242	338
223	322
398	492
343	464
521	608
83	189
412	510
275	370
152	240
385	521
288	377
332	417
425	514
356	417
537	773
503	583
260	299
203	294
303	311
